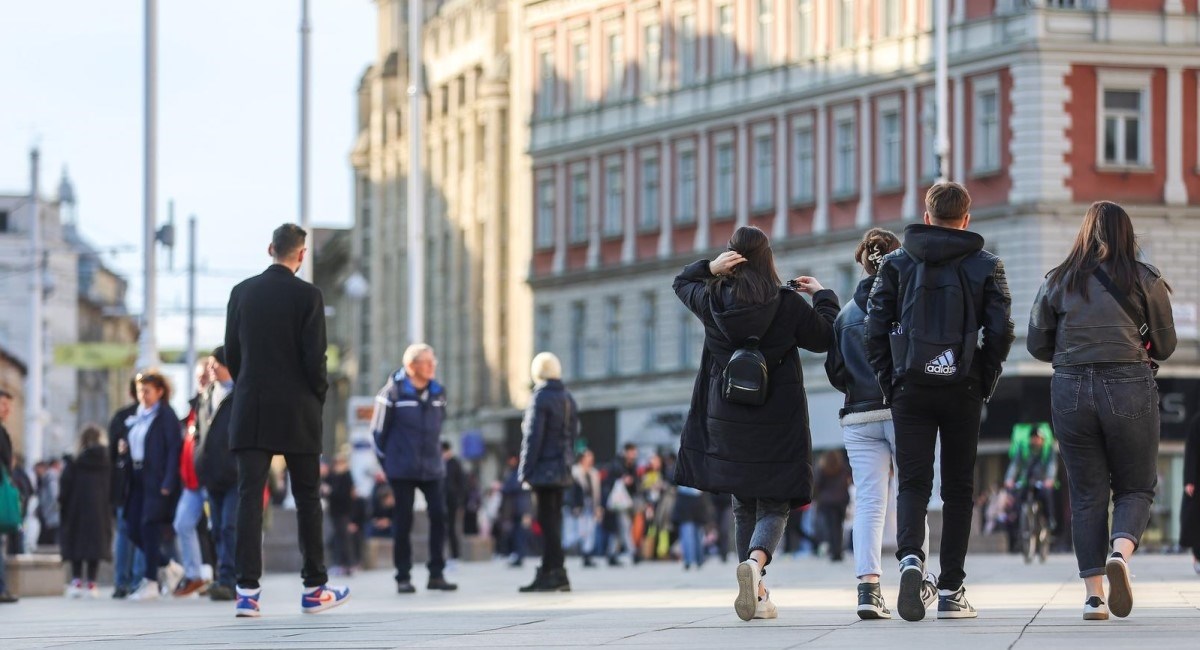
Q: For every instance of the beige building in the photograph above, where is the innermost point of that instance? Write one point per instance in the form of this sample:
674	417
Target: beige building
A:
477	303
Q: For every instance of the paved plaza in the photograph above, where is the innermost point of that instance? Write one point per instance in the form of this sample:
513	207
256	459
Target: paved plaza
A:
653	606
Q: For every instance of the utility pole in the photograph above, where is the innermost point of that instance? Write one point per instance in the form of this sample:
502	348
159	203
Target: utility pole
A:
147	344
191	317
306	272
416	181
941	19
33	394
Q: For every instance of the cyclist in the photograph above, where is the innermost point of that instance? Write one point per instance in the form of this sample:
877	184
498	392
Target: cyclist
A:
1034	467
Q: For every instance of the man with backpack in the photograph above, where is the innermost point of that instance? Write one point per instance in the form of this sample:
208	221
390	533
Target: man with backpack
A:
930	300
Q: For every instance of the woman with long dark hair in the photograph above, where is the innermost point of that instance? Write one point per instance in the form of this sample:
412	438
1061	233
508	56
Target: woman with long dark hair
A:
152	448
1102	318
749	436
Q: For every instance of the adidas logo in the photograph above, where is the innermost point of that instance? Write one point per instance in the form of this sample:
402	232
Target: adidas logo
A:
944	364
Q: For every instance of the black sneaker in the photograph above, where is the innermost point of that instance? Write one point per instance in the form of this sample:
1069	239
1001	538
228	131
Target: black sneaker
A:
912	600
1094	609
1120	590
870	602
439	584
405	587
955	605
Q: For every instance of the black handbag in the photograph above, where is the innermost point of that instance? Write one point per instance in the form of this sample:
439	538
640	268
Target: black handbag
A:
1140	317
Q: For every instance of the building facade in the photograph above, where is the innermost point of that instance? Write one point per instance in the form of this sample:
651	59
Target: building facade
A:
656	128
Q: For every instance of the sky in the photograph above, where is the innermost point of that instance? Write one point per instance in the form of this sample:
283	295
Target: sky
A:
228	89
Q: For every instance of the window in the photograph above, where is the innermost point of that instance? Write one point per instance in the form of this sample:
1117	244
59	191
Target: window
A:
802	169
545	327
687	325
651	57
890	16
887	158
651	198
545	213
1123	125
804	28
844	175
546	83
614	198
929	158
579	206
686	56
845	26
612	336
685	190
764	172
764	37
578	342
579	83
649	349
616	67
723	65
723	188
985	145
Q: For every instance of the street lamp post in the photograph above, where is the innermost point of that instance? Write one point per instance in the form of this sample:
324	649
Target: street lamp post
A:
306	268
33	394
147	344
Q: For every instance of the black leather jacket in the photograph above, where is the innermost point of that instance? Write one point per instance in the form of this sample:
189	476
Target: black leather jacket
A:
548	436
847	366
1068	330
988	286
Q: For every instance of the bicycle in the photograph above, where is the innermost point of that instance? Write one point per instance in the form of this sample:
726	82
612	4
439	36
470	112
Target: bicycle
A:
1033	526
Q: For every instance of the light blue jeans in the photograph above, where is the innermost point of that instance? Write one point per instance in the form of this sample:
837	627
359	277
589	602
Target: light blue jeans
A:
129	562
872	450
187	517
689	543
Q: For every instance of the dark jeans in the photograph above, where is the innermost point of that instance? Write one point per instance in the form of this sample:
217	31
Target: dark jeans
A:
920	414
342	542
453	512
549	516
146	535
1106	420
304	471
833	523
758	525
402	545
222	508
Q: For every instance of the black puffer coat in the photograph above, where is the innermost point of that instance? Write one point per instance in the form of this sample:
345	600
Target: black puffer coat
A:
548	436
86	509
751	451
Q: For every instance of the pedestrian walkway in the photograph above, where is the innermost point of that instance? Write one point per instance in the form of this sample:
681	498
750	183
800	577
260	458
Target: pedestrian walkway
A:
653	606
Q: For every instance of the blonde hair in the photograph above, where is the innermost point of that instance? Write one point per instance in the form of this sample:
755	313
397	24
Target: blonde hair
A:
415	350
545	366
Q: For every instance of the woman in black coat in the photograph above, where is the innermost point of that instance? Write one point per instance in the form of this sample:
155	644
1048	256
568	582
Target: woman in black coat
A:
762	455
86	535
547	454
1189	515
152	448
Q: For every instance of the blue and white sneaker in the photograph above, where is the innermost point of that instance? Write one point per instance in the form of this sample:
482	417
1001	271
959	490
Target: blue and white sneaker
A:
247	603
319	599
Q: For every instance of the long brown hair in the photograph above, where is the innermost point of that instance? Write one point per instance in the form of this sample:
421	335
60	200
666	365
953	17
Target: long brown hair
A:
755	281
875	243
91	436
1106	236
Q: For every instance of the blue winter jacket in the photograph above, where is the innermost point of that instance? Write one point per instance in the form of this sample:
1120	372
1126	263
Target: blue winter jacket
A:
407	430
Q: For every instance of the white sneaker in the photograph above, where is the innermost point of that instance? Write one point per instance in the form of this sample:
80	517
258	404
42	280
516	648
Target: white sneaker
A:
748	576
93	592
1094	609
765	608
170	576
74	589
148	591
1120	589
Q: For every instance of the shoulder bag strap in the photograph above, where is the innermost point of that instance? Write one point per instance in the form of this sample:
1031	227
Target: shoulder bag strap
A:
1122	299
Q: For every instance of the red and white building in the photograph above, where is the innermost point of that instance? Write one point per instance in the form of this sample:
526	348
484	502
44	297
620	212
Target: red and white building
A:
657	127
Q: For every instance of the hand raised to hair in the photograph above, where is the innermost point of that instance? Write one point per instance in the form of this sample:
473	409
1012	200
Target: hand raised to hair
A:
725	262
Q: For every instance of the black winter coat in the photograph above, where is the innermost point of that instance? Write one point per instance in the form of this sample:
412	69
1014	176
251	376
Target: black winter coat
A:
751	451
847	366
548	435
1189	515
215	464
275	349
160	468
86	532
118	431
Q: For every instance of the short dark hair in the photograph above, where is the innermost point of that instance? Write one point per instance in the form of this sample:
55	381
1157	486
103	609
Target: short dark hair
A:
287	240
5	394
947	203
446	446
631	445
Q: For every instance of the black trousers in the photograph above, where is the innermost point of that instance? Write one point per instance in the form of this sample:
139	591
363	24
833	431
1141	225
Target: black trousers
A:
920	414
549	516
453	513
833	520
145	533
404	492
305	473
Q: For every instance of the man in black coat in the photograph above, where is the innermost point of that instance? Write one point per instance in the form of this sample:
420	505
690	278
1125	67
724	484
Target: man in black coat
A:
275	352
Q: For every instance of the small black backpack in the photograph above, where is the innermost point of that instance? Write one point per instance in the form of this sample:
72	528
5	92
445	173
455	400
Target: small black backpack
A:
746	375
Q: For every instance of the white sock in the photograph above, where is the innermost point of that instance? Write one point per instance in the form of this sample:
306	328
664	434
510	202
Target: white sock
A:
308	591
946	592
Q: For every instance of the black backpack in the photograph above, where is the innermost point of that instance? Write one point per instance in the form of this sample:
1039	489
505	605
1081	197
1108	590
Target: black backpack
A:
746	375
934	342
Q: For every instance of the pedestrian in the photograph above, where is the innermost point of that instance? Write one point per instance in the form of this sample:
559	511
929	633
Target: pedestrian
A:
456	494
1189	514
216	469
407	424
690	517
190	509
1102	318
339	496
621	500
833	498
47	510
924	313
586	509
515	515
548	435
152	451
749	436
383	505
275	351
867	428
86	521
7	465
129	563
